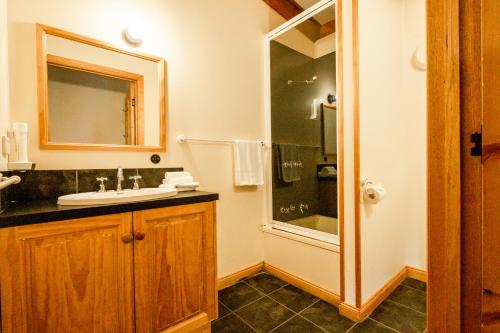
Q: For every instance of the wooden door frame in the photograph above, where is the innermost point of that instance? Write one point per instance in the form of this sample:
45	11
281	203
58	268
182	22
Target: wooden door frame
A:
443	162
471	168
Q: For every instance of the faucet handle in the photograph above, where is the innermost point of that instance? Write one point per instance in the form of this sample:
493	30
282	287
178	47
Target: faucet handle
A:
136	183
102	188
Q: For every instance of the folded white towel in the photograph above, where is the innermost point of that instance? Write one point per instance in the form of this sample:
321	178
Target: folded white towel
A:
182	181
177	174
248	169
178	180
178	177
182	187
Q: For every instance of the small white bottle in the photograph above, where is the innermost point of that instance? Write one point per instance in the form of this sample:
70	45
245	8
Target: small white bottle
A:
21	137
12	146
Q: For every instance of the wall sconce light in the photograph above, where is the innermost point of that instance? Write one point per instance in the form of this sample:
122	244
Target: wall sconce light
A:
132	37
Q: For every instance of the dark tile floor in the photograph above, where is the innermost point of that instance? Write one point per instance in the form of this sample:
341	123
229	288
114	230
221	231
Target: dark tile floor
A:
263	303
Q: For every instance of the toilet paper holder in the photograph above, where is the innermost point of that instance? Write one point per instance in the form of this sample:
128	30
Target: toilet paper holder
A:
365	182
369	197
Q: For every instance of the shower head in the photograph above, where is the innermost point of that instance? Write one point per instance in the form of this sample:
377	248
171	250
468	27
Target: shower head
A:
290	82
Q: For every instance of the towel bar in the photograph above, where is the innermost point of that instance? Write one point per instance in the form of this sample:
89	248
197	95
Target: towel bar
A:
182	139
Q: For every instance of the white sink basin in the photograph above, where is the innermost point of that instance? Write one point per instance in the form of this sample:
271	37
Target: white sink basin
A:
111	197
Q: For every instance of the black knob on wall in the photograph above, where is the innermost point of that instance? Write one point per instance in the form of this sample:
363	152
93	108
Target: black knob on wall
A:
155	158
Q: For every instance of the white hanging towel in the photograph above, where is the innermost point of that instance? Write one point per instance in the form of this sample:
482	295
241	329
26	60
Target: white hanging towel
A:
248	168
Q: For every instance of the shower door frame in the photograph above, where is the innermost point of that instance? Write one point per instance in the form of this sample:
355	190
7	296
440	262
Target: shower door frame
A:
290	24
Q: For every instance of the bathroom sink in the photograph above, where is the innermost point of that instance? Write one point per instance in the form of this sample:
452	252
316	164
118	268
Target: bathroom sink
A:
111	197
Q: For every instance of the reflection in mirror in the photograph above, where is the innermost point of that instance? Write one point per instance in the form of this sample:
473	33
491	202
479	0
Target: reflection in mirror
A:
329	129
107	109
304	126
96	96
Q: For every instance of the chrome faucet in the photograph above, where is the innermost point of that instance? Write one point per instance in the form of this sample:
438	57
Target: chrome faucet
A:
102	187
136	183
119	179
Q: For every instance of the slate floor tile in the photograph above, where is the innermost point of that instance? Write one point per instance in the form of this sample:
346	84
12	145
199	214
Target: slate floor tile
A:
415	284
264	314
223	310
293	298
230	324
371	326
327	317
412	298
399	317
265	282
239	295
298	325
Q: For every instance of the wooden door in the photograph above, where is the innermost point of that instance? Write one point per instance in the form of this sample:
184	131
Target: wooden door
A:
491	165
69	276
174	263
480	86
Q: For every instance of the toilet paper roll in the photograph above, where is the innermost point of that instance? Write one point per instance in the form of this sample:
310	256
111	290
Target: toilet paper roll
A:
373	193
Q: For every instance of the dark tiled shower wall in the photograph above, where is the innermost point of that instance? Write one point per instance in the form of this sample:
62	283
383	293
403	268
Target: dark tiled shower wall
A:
303	191
49	184
291	124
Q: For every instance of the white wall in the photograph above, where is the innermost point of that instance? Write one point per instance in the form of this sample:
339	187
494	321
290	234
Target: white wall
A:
415	101
4	78
392	139
214	54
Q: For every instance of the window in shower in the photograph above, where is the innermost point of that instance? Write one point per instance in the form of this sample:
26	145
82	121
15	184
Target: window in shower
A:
303	124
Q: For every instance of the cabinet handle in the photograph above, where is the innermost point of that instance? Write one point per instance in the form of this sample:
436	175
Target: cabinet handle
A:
127	238
140	235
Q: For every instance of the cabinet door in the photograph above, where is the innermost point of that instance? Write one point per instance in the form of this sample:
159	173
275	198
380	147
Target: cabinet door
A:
174	267
70	276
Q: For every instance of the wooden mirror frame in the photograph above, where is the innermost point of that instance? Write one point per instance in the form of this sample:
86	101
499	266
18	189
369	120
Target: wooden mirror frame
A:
43	110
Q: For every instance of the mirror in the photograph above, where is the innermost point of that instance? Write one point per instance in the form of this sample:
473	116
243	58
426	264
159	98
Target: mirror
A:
96	96
303	116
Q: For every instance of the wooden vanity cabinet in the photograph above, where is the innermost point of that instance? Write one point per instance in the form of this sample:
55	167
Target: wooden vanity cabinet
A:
174	267
147	271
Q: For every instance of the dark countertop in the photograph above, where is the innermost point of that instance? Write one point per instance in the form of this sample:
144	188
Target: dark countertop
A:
32	212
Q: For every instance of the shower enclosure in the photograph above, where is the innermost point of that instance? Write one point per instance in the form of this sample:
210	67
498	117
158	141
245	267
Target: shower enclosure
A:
303	128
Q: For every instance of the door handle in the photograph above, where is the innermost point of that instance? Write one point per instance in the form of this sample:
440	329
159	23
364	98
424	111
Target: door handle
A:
140	235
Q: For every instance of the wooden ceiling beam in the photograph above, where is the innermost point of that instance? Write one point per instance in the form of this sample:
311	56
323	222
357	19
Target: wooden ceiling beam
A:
286	8
327	29
311	28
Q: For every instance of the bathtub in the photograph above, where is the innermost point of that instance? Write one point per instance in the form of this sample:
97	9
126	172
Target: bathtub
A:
318	227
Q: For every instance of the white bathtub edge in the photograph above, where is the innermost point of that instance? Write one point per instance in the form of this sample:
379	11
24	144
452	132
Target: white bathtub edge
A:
301	238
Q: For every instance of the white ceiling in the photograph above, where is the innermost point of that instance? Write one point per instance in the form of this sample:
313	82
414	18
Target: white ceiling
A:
323	17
